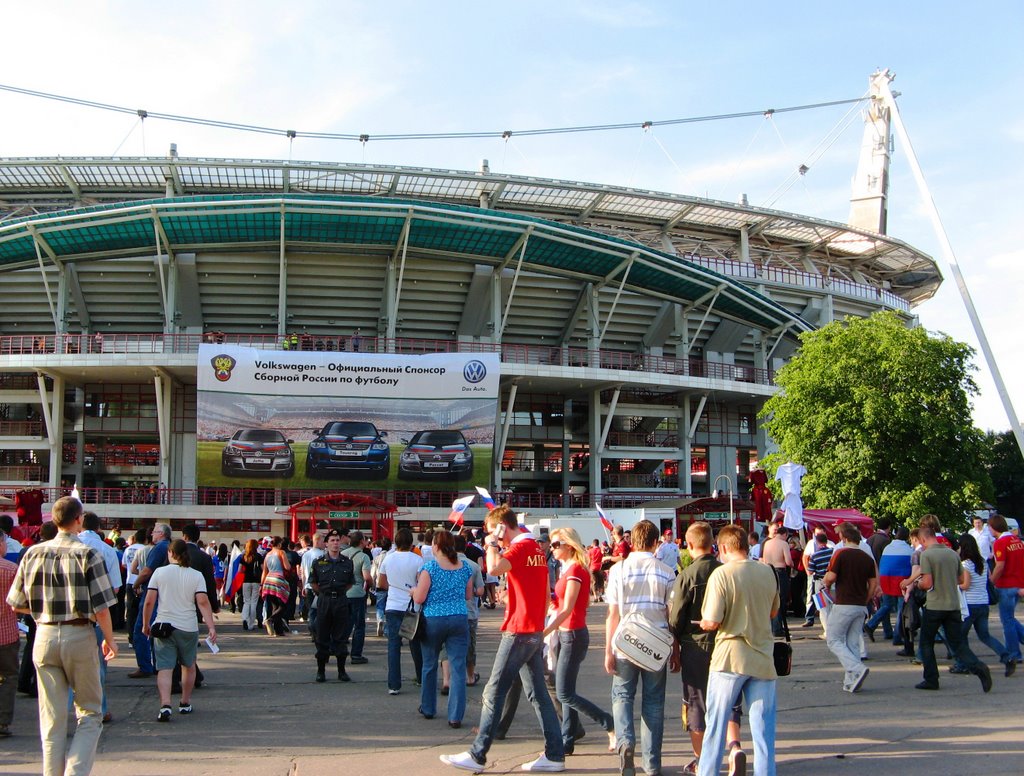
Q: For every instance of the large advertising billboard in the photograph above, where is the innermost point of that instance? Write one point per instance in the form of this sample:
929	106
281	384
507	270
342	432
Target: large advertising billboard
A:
349	420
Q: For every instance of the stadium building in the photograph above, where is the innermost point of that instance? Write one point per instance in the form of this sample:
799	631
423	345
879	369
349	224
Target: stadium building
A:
638	332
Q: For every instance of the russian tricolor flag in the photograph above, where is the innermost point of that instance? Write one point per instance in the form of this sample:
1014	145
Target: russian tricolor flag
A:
604	519
488	501
459	506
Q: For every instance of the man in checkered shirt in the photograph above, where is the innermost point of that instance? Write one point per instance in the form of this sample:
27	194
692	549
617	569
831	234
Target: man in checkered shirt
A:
64	585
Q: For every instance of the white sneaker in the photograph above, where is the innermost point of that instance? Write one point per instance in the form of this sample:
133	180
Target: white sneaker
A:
392	692
859	680
462	760
544	765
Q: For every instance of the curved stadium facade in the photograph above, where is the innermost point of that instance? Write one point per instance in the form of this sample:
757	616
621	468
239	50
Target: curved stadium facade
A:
637	332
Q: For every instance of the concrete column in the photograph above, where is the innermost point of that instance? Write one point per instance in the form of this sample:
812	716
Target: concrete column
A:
594	430
685	447
721	460
57	417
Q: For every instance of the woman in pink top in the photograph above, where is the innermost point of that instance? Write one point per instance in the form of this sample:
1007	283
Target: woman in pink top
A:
571	599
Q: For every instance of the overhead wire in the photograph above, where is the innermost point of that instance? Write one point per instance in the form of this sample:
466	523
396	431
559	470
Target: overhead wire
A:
829	140
364	137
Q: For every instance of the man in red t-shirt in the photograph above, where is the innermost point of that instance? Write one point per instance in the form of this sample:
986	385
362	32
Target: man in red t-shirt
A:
596	556
1008	577
512	551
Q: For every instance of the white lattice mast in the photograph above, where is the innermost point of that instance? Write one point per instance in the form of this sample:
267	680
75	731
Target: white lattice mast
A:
888	99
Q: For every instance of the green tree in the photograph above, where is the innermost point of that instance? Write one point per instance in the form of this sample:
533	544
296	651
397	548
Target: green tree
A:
1006	467
880	416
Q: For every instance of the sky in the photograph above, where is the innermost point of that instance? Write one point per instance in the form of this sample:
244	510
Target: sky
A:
402	66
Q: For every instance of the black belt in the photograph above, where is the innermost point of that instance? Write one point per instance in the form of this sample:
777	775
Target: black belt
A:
333	594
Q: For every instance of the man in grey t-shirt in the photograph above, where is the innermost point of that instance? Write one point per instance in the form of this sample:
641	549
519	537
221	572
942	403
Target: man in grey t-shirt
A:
941	574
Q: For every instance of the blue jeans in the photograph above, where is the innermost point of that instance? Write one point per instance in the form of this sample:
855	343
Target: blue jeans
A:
572	649
978	619
453	632
522	654
1013	631
652	710
382	600
140	642
394	620
724	690
357	625
890	603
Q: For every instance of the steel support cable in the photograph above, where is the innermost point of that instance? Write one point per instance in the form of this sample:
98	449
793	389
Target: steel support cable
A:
829	140
363	137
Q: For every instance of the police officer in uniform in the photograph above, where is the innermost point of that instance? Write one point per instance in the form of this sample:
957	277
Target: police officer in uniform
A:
330	577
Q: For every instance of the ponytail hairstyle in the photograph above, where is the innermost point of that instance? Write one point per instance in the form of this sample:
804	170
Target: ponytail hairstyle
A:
444	544
179	549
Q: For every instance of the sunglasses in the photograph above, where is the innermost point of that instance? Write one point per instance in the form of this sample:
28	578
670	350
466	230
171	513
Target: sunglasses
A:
555	545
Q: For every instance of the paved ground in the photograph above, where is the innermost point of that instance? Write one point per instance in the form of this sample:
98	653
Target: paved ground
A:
261	714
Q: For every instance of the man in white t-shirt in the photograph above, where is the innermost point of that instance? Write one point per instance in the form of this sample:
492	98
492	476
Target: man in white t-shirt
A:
398	576
983	537
175	590
668	551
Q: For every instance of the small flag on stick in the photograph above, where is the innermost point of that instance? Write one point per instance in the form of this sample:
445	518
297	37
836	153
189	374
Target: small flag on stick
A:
604	520
488	501
459	506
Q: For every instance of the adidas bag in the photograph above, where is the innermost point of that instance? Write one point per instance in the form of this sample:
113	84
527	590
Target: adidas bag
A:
643	644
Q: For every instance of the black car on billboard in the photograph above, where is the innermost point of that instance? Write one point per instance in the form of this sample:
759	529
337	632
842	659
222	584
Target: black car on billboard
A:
348	447
257	451
436	454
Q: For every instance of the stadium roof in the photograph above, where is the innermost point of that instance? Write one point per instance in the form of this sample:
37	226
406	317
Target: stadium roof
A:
689	224
370	224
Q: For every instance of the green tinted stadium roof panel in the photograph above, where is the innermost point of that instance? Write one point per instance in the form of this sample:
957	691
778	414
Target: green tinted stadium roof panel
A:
439	230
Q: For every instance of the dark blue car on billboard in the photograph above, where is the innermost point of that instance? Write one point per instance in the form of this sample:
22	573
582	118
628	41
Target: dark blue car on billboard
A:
348	447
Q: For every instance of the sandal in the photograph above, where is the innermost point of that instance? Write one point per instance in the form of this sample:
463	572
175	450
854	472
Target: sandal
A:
475	682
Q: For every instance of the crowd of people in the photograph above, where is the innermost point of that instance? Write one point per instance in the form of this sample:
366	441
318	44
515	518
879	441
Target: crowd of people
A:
708	607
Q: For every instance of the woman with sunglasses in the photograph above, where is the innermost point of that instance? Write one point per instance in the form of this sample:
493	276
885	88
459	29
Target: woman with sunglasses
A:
571	599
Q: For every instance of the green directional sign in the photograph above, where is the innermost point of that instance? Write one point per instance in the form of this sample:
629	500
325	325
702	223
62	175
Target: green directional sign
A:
342	515
716	515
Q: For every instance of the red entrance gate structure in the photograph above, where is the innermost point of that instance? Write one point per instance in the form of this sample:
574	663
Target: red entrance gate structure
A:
348	509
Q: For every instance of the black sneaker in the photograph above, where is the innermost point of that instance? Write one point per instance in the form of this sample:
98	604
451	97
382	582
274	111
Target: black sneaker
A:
1011	666
358	660
926	686
184	708
344	677
164	715
321	676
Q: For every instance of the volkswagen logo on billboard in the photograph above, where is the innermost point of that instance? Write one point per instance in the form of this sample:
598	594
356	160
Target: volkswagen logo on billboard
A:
474	371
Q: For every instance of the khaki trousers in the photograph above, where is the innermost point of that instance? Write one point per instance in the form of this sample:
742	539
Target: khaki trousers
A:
66	657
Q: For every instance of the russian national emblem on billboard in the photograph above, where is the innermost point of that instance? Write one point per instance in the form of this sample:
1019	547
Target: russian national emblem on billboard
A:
317	419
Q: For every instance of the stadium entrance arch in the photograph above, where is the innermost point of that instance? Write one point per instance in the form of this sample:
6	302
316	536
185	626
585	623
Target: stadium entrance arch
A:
344	510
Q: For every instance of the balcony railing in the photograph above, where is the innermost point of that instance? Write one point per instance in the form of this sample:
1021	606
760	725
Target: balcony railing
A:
29	473
752	273
29	428
510	353
406	500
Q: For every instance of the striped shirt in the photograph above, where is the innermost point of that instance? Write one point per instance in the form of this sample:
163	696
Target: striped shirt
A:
60	580
820	559
641	582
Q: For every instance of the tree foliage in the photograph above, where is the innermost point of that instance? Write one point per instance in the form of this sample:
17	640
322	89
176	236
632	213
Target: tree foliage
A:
880	416
1006	467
